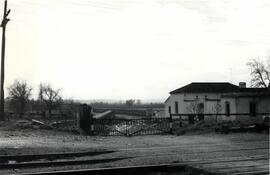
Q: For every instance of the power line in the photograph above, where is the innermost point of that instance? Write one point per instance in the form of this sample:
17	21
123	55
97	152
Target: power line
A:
68	4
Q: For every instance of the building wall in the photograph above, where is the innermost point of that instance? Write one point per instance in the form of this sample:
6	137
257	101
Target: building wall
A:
210	100
171	102
185	102
242	105
233	109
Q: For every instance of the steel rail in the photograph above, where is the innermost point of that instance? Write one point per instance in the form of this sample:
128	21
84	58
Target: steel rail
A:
27	158
199	152
118	170
95	161
58	163
52	156
174	167
189	146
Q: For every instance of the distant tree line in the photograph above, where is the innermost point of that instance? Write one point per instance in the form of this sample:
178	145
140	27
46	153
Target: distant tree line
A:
128	104
50	99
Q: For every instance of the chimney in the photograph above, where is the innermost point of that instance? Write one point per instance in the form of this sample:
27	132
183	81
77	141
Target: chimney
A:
242	85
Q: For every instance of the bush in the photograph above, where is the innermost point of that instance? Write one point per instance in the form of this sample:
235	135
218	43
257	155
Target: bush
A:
199	127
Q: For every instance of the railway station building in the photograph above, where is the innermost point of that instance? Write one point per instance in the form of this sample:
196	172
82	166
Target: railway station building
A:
202	98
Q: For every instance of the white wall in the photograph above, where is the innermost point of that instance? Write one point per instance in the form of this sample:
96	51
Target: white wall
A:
171	102
262	106
184	101
237	105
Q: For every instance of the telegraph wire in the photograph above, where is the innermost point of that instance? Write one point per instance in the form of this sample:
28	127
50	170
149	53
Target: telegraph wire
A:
67	4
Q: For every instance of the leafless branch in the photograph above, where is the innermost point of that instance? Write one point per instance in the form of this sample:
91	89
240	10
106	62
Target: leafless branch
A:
51	97
260	73
19	93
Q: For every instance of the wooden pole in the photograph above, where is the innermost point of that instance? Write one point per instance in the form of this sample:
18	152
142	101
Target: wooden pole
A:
2	93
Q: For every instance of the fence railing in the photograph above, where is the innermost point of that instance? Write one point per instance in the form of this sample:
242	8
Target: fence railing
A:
135	112
192	118
219	114
130	127
150	126
145	126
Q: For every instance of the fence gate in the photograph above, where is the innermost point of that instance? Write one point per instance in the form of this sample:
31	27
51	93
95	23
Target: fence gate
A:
131	127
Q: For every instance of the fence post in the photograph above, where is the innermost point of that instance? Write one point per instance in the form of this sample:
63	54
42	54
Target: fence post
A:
79	118
85	119
171	123
78	121
90	110
127	134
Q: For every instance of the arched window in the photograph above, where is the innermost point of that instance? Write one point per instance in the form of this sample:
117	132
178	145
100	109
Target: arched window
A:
200	108
227	108
200	111
176	107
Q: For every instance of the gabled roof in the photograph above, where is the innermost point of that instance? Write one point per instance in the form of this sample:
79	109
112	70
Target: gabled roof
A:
250	92
207	87
254	90
167	99
216	87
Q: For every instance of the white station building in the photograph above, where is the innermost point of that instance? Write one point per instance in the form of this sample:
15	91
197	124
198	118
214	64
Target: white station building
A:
218	97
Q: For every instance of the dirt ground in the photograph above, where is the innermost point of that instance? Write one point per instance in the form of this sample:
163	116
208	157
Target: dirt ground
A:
141	150
44	140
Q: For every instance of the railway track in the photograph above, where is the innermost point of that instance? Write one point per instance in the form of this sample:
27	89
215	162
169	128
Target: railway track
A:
58	163
130	170
232	162
42	163
52	156
157	169
47	159
190	145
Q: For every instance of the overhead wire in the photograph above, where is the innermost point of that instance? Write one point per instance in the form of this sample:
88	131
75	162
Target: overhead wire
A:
67	4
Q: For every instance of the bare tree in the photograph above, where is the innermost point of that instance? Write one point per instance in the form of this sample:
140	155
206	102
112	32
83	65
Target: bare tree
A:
217	108
260	72
130	102
138	102
50	97
192	108
19	93
70	107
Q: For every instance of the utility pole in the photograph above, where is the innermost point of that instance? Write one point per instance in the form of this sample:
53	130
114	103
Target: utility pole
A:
2	94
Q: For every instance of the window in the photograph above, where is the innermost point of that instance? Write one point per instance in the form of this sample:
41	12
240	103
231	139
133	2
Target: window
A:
176	107
252	108
200	108
170	110
227	108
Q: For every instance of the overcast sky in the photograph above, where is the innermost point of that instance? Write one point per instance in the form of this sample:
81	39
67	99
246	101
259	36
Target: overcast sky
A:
142	49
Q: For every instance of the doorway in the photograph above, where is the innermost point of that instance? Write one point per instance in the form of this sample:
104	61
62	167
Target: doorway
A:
200	110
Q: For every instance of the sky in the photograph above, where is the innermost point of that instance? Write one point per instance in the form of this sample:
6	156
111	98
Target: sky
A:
139	49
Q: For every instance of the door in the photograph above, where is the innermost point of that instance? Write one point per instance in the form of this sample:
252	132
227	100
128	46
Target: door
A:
200	111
